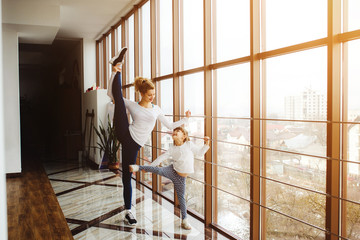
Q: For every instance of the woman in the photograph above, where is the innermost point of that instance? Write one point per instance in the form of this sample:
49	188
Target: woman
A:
133	136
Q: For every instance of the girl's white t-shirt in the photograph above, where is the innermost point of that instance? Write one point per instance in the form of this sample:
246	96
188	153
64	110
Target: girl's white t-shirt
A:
182	156
144	120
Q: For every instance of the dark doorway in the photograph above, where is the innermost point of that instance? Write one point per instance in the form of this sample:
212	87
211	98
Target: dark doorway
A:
50	99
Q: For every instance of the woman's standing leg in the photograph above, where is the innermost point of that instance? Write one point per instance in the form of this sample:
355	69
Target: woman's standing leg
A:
129	154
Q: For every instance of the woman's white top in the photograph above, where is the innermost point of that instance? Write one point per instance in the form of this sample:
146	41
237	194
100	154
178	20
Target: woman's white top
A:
182	156
144	120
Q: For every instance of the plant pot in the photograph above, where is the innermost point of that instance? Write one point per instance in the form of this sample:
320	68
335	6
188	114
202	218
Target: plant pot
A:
113	166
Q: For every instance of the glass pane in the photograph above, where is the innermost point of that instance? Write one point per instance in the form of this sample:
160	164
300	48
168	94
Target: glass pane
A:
298	203
101	67
296	85
353	169
233	214
194	93
132	93
233	91
353	17
279	227
131	51
301	137
293	22
231	43
297	170
234	182
146	52
165	37
194	195
109	55
353	57
118	31
233	156
146	159
352	220
165	96
193	34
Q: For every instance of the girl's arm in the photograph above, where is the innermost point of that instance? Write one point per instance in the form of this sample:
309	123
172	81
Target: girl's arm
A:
161	158
199	151
173	125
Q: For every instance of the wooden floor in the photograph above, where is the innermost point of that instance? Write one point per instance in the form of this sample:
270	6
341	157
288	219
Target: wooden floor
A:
33	209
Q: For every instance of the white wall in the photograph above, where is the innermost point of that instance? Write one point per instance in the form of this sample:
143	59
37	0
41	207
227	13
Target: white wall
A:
11	98
97	100
3	208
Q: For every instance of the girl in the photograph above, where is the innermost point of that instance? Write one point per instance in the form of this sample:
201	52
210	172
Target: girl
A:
133	136
182	154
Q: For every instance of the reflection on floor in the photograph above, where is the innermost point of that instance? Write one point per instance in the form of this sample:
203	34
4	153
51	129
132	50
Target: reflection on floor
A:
92	203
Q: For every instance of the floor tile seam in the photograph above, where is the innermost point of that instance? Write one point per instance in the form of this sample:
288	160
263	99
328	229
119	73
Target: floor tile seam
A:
62	171
75	221
72	189
104	179
120	228
84	186
97	182
101	218
108	185
69	181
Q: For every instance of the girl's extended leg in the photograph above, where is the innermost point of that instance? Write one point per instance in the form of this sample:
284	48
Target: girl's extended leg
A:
121	122
167	172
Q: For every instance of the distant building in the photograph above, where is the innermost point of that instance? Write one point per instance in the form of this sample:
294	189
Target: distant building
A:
310	105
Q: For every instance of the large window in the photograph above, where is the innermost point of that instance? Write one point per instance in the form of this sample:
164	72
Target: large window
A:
165	39
191	34
165	100
292	22
131	51
275	85
193	100
352	139
231	148
228	16
145	52
351	16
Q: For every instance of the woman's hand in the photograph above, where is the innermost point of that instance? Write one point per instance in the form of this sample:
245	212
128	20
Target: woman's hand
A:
188	113
116	68
207	140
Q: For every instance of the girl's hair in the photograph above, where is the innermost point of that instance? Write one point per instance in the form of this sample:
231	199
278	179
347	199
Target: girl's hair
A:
142	85
185	132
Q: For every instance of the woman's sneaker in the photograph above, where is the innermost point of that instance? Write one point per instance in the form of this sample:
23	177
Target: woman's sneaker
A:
119	57
134	168
185	224
130	219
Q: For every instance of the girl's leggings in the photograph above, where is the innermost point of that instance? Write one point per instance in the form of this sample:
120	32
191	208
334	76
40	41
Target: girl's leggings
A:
129	147
179	183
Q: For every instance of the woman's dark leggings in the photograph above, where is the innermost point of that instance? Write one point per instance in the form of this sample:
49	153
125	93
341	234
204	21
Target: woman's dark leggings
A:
129	147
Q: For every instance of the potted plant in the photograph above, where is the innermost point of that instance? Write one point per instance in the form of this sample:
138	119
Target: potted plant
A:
108	144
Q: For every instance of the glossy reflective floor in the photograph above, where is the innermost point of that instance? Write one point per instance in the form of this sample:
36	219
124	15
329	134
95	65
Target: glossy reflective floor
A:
92	203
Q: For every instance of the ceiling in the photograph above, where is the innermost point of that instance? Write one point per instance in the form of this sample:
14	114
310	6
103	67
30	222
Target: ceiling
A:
41	21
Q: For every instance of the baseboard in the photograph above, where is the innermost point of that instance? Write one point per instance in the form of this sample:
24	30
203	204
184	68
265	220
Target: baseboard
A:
13	175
